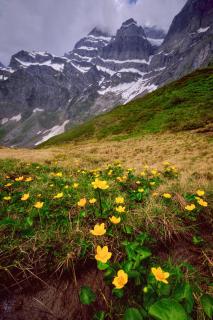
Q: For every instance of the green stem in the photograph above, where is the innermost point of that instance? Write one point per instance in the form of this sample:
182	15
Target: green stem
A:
99	198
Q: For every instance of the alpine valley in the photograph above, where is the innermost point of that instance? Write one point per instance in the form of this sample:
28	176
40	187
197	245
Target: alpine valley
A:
42	95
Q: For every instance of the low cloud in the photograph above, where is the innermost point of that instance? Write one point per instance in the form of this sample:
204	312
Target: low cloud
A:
55	26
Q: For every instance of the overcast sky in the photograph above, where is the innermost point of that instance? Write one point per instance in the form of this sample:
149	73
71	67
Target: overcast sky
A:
56	25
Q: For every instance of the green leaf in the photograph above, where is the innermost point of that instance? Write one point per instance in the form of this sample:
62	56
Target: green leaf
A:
183	293
102	266
87	296
167	309
29	221
207	304
144	253
132	314
128	229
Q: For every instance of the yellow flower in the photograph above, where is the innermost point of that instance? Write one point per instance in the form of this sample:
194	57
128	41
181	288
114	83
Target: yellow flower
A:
121	179
7	177
66	187
19	178
109	173
82	202
92	201
160	275
51	185
138	182
28	179
38	205
39	195
190	207
200	193
167	195
103	255
142	173
99	230
59	174
58	196
166	163
154	172
25	197
75	185
141	190
120	209
115	220
8	185
152	183
100	184
202	203
146	167
121	279
119	200
7	198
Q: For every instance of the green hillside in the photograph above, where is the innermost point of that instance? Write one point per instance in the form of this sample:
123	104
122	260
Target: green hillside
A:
184	104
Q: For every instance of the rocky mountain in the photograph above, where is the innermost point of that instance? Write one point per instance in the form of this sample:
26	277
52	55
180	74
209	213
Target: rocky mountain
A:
42	95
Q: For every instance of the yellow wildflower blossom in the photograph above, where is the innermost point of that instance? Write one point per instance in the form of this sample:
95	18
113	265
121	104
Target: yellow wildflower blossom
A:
200	193
75	185
100	184
202	203
115	220
142	173
99	230
120	280
92	201
119	200
102	254
141	190
120	209
29	179
25	197
190	207
19	178
82	202
152	183
160	275
8	185
7	198
58	195
38	205
167	195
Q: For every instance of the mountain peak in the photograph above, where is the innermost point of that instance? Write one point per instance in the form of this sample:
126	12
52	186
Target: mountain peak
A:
129	22
97	32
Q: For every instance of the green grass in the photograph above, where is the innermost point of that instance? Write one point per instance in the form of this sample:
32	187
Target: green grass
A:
56	238
185	104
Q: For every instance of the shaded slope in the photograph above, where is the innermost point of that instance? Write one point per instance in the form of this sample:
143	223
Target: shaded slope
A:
184	104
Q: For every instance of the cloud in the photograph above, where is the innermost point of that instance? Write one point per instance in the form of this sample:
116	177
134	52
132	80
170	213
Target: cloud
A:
55	26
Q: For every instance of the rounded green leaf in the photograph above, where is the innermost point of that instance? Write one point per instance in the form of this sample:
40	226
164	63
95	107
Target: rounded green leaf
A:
132	314
87	296
167	309
207	304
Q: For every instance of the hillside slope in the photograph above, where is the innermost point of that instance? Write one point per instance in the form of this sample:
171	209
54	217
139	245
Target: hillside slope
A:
184	104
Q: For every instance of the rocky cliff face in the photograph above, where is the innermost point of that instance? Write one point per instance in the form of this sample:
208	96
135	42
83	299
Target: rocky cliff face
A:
41	95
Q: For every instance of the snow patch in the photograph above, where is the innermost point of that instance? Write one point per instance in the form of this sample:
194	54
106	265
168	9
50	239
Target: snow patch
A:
4	120
141	61
55	66
87	48
16	118
53	132
155	42
80	68
201	30
2	77
99	38
37	110
130	90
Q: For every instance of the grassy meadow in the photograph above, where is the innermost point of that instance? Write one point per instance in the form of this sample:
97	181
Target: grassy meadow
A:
118	221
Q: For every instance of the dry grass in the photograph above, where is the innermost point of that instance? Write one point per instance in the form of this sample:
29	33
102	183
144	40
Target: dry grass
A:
187	150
